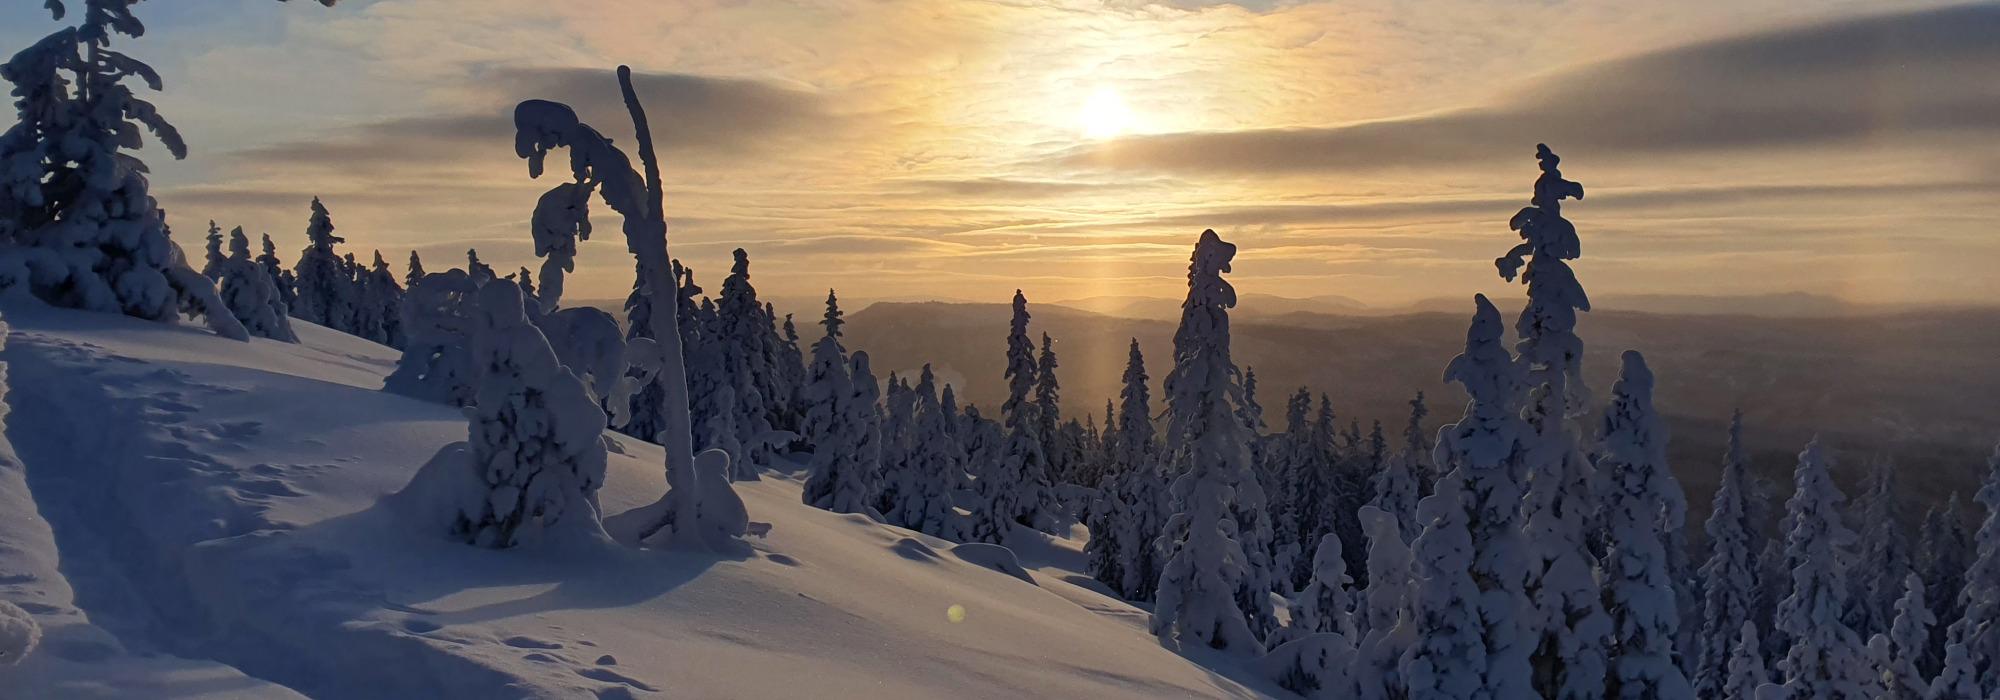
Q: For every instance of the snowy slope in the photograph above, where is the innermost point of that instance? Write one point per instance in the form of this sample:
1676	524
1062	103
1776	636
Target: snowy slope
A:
218	510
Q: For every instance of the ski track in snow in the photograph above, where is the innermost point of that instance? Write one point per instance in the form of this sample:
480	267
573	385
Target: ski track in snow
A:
218	509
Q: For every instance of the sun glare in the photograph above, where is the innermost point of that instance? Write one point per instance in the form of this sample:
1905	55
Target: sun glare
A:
1104	115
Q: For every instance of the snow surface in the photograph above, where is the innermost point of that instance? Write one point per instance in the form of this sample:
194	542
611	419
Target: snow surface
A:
215	508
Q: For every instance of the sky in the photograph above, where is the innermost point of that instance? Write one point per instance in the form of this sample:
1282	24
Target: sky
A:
1370	149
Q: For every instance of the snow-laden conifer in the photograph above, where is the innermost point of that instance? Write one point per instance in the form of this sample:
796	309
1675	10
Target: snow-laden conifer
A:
1729	575
250	295
1197	600
600	168
79	227
535	431
1018	491
1884	556
325	295
1978	629
747	346
439	317
1745	677
1130	515
1643	498
1909	636
1485	449
1448	659
1826	658
1570	659
935	466
1382	610
831	427
213	259
281	278
1947	550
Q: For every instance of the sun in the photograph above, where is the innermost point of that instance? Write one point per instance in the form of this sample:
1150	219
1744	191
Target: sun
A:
1104	115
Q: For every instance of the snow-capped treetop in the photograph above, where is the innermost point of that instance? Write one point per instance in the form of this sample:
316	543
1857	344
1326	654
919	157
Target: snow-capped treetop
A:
212	268
1547	325
1135	417
1021	371
319	229
1203	334
416	270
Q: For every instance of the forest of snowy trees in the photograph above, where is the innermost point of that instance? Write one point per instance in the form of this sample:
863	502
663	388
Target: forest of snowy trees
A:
1534	545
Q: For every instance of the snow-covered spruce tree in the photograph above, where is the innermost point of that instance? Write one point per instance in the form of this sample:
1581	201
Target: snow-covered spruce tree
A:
1947	550
414	272
479	271
281	278
1124	531
748	348
863	406
1252	414
1382	610
935	467
598	166
899	409
1978	630
526	281
1956	680
78	225
1825	659
1484	450
792	373
1315	504
1644	498
212	267
646	413
378	306
249	294
439	316
1286	459
1417	448
1746	675
837	428
324	295
1729	575
1396	494
718	427
1884	556
535	432
1448	659
1570	659
1048	407
1198	601
1324	605
1018	491
1909	636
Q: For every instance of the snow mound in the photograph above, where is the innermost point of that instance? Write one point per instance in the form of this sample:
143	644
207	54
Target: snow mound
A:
223	516
992	556
18	634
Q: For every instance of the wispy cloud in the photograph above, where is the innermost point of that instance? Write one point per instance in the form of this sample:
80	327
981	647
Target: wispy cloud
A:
1859	82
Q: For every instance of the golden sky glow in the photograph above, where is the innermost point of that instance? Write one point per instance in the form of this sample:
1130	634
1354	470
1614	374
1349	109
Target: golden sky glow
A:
959	150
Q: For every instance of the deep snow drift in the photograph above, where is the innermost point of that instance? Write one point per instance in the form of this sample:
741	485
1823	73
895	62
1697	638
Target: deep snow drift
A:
188	516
